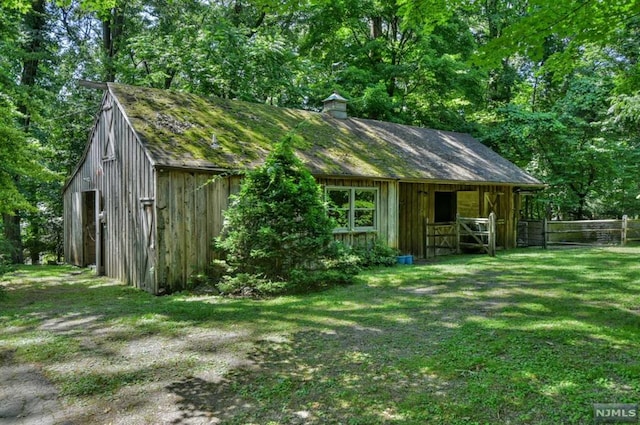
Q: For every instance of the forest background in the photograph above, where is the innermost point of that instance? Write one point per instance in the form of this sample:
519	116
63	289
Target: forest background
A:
551	85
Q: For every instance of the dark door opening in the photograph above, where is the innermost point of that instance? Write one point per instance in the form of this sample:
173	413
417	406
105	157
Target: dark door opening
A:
445	207
89	228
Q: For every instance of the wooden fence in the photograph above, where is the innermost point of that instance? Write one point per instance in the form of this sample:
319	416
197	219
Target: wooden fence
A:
581	232
465	232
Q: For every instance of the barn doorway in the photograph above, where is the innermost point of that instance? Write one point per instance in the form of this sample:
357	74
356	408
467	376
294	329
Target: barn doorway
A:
445	206
88	228
92	229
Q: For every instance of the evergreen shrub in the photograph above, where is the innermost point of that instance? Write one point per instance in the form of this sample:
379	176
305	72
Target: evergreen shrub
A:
277	229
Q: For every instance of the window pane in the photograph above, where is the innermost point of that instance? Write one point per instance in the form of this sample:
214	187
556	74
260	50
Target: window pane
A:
338	198
352	207
364	218
365	199
341	217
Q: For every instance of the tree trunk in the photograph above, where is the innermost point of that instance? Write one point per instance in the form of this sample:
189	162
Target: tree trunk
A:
35	25
112	30
375	24
13	236
107	47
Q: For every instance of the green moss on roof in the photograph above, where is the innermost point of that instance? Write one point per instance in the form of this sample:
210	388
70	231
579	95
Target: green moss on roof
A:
185	130
228	134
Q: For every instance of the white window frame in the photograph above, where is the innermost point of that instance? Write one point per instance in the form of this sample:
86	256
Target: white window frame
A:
351	211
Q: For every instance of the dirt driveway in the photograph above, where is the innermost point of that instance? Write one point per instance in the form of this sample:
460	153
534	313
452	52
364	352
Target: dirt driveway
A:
26	396
93	359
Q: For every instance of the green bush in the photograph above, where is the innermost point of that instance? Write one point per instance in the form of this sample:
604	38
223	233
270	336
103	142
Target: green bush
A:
250	285
5	268
217	270
338	267
239	284
376	254
276	224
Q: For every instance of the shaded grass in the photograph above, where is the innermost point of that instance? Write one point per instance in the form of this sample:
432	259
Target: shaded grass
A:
528	337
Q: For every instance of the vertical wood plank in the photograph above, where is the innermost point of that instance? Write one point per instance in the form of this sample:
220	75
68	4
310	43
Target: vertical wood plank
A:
492	234
161	223
392	214
190	235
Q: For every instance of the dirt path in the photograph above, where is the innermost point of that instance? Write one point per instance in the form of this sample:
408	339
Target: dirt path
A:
26	396
117	372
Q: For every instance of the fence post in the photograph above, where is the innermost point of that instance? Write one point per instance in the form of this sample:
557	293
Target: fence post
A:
492	234
623	235
457	227
545	233
426	237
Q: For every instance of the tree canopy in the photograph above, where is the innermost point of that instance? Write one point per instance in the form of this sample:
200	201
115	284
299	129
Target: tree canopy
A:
552	85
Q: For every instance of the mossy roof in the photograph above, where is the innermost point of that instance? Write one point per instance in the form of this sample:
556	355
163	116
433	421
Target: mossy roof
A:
188	131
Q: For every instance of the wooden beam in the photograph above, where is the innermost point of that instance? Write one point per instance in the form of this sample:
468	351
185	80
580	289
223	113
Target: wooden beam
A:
97	85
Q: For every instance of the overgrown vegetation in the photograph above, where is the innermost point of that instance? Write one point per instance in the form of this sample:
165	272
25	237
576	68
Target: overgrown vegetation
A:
376	254
277	235
530	337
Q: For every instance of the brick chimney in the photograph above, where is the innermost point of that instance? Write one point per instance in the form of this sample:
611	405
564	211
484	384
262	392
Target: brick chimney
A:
336	106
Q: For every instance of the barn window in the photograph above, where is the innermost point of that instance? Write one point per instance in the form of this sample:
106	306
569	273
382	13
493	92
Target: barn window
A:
353	208
445	207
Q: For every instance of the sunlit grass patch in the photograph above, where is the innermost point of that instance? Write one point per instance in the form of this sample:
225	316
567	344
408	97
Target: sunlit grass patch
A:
101	383
527	337
41	347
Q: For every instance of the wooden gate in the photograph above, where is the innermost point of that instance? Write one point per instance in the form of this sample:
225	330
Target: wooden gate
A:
440	238
477	233
465	232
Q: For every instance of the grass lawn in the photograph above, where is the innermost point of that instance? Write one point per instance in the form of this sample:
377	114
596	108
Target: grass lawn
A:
527	337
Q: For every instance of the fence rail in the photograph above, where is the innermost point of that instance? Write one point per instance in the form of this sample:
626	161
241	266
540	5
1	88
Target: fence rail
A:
579	232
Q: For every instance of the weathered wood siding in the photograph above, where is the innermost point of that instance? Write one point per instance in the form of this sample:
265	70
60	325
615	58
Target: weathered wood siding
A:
128	178
85	179
117	169
190	209
413	211
417	208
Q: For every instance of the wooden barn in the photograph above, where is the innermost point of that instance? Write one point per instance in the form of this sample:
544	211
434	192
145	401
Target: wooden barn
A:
148	196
